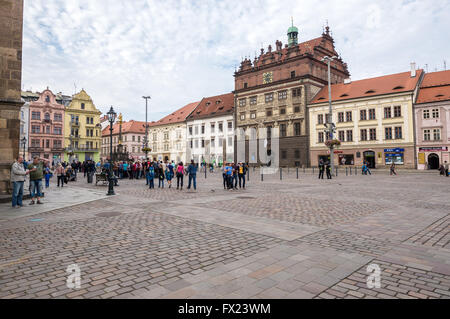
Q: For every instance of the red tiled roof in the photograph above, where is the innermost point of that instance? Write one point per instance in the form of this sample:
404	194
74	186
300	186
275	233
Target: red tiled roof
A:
435	87
179	115
388	84
128	127
214	105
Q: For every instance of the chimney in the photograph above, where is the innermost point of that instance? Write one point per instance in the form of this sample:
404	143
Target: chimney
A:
413	69
347	81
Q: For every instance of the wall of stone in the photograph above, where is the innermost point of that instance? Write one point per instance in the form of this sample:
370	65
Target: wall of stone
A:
11	21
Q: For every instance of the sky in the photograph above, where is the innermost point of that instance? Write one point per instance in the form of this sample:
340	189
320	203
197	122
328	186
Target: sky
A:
180	51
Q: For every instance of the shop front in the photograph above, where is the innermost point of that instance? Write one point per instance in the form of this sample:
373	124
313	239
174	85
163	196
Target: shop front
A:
394	155
432	157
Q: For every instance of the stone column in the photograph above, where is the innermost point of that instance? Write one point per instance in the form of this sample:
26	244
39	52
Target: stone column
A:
11	20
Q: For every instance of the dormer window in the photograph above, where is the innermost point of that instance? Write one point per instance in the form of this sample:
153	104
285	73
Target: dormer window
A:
439	95
82	106
218	102
370	91
321	98
398	87
344	95
47	99
208	103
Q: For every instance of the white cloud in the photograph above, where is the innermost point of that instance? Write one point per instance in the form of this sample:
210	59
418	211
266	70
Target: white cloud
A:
180	51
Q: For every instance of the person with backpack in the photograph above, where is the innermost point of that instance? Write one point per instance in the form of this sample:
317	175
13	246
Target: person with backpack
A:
168	176
160	176
180	174
151	176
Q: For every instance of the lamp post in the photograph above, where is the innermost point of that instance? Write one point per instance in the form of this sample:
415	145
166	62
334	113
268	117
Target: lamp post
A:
24	143
330	125
111	118
146	128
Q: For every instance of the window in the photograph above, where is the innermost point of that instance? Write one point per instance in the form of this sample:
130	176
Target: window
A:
363	115
203	129
320	119
372	114
88	120
134	138
253	100
373	134
191	144
47	144
292	74
190	130
387	112
349	136
242	102
212	127
426	114
166	136
320	137
245	85
283	130
220	127
47	116
242	116
154	137
47	130
133	149
35	129
57	117
230	141
268	112
397	111
203	143
82	107
341	135
196	130
56	144
253	115
35	143
388	133
35	115
435	113
213	142
47	98
230	125
21	128
282	95
253	133
297	153
283	154
348	116
437	134
196	144
296	109
282	110
297	129
398	132
341	117
220	142
139	138
269	97
363	135
297	92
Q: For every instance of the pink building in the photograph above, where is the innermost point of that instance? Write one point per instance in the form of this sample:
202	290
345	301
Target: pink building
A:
46	127
432	115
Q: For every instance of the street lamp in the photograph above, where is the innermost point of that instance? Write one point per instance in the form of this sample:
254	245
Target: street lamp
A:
111	118
330	125
24	143
146	127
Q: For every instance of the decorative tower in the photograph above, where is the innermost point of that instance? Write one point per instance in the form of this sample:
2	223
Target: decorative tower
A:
292	35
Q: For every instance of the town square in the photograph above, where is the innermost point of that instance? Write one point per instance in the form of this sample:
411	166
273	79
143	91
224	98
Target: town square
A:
146	154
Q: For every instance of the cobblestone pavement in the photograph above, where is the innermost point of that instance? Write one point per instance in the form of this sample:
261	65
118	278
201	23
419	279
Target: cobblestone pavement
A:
295	238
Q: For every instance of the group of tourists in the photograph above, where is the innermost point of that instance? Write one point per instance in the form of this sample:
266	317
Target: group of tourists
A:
231	173
324	166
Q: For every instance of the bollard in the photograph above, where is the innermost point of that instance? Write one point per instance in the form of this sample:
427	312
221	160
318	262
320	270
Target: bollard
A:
304	169
356	170
248	175
205	171
313	170
297	172
346	171
262	176
337	168
281	173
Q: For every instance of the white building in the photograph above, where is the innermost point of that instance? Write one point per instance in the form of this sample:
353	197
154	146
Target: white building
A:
167	137
210	130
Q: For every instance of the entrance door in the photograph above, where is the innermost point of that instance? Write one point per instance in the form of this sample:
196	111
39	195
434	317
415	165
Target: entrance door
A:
369	158
433	161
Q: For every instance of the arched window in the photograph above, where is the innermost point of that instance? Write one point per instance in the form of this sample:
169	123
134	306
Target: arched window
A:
47	98
47	116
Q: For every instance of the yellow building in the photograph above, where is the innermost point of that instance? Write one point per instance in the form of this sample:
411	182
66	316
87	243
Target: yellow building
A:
374	121
82	129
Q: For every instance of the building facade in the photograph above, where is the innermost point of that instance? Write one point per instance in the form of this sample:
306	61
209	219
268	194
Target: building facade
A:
271	94
210	130
82	133
46	127
11	17
374	121
167	138
432	115
132	138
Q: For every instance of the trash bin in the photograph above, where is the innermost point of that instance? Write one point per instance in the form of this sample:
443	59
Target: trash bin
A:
89	177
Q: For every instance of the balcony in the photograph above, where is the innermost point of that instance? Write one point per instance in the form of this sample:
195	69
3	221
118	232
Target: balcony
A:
35	149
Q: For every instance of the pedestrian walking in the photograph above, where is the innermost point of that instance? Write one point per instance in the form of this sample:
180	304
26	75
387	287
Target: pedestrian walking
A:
161	176
392	169
18	175
60	173
180	174
168	176
446	168
48	175
241	174
328	169
36	175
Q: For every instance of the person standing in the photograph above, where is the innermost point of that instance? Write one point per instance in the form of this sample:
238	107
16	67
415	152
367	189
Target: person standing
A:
151	176
446	168
321	168
235	176
242	172
392	169
169	175
225	177
48	175
192	171
18	175
60	173
36	174
180	174
161	176
328	169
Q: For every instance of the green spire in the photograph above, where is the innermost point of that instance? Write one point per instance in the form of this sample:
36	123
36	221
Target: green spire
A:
292	34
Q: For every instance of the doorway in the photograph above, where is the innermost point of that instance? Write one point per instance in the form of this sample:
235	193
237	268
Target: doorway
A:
369	157
433	161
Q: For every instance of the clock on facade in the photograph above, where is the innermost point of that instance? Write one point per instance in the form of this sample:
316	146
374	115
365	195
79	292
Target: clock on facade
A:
267	77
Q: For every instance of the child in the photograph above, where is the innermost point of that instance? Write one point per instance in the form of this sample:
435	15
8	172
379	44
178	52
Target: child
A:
168	176
48	175
151	176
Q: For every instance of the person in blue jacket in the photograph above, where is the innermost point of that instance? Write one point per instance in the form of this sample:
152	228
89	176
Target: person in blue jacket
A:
192	171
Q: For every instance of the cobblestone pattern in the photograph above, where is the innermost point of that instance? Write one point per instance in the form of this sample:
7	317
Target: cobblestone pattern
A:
299	209
435	235
397	282
347	241
116	254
